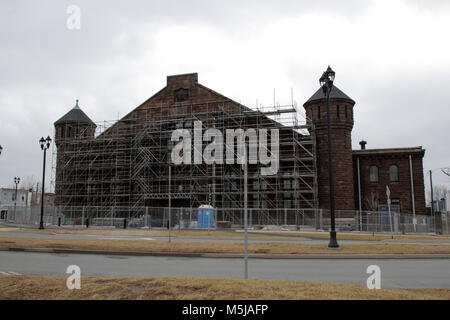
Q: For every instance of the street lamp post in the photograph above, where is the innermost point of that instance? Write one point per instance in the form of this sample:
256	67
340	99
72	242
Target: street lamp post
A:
326	82
170	201
16	181
245	212
45	144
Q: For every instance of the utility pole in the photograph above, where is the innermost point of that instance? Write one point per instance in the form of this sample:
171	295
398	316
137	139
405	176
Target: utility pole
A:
16	181
170	209
432	208
245	212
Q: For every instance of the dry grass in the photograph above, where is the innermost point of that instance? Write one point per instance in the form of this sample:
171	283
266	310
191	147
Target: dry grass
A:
354	236
138	232
231	234
177	288
220	247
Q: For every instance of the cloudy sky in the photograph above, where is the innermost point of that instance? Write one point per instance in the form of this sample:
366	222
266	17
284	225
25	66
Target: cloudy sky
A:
392	57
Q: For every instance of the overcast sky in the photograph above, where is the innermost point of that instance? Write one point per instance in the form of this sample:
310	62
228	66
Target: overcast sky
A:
392	57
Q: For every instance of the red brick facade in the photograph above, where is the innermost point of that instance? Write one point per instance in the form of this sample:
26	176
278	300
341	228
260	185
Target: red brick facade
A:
345	161
373	193
342	123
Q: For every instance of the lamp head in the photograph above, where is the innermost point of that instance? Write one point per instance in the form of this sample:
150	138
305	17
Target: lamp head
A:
330	75
323	81
49	141
42	143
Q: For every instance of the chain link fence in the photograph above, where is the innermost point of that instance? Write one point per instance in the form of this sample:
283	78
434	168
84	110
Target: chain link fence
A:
222	218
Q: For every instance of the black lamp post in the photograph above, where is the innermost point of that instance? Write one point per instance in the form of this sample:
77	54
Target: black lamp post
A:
16	181
326	82
45	144
1	149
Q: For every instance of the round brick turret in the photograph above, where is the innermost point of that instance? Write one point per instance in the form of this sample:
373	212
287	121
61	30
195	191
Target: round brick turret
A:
341	110
74	124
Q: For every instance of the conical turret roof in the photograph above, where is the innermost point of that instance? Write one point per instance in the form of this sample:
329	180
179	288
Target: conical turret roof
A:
335	93
76	115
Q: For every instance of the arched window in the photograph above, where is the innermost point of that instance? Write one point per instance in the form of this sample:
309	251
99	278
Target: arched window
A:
393	173
373	174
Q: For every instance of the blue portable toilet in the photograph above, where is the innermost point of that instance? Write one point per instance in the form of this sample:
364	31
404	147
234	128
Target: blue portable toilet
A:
205	216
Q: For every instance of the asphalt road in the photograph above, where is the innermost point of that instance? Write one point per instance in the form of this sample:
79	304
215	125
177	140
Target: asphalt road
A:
425	273
303	240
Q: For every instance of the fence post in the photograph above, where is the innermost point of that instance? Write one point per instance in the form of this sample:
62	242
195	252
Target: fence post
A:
315	218
396	216
164	217
112	216
446	220
321	219
303	217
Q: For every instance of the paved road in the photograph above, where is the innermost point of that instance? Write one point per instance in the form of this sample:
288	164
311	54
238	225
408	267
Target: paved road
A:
394	273
303	240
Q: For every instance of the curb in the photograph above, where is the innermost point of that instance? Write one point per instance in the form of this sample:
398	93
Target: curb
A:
228	255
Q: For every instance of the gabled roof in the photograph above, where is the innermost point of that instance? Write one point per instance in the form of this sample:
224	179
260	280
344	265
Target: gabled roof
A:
335	93
76	115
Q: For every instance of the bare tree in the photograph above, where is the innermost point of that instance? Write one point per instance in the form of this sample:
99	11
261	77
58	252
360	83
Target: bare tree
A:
371	201
29	182
439	192
446	171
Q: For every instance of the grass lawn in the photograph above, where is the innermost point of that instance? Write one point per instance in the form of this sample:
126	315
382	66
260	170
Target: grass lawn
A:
178	288
354	236
230	234
221	247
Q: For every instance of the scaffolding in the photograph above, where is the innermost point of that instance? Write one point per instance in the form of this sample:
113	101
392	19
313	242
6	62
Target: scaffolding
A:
122	166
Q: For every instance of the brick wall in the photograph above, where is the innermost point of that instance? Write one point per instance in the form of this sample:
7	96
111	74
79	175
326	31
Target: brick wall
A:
341	111
372	192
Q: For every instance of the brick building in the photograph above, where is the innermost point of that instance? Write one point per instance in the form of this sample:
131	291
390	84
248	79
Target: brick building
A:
126	163
361	176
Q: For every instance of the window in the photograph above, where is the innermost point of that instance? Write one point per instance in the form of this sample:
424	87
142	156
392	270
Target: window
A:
393	173
373	174
337	112
318	113
346	112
